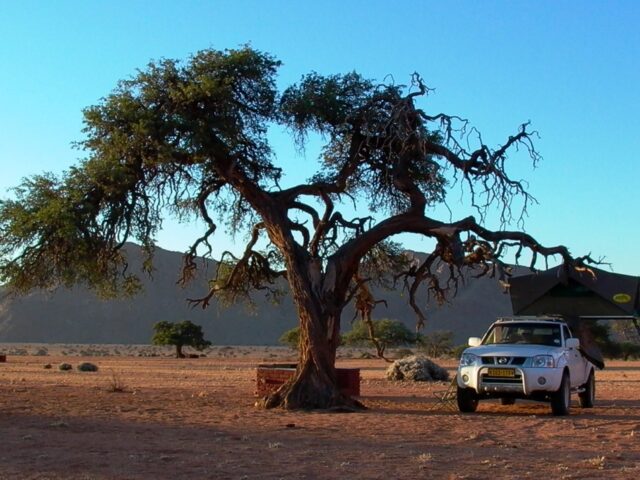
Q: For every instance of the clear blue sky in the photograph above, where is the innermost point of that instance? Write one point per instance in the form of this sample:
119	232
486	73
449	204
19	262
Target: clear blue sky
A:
571	67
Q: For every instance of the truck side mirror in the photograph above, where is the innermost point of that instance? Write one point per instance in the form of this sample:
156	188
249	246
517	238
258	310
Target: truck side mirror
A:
474	341
572	343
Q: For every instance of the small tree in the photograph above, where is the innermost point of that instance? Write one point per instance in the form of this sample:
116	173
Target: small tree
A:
436	344
180	334
381	333
291	338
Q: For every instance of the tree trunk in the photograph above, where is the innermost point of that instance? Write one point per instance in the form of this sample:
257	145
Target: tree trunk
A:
314	384
179	353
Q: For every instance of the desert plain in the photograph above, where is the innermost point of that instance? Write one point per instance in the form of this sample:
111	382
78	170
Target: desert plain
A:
146	415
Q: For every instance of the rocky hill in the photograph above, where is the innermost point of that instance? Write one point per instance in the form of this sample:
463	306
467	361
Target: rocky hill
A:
78	316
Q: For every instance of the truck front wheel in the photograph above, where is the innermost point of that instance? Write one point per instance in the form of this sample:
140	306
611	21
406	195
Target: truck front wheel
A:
561	400
467	400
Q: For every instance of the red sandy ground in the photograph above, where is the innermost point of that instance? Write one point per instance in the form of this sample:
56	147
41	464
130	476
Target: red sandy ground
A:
195	419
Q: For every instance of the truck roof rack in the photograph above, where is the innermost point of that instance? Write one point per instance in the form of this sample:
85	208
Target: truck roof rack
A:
523	318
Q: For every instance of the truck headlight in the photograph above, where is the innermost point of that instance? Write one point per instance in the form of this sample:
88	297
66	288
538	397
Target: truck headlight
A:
468	359
543	361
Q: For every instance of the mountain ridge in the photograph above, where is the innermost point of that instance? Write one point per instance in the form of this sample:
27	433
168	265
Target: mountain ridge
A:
77	315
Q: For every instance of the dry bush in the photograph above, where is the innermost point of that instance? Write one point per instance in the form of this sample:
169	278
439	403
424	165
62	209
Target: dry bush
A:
87	367
416	368
116	384
598	462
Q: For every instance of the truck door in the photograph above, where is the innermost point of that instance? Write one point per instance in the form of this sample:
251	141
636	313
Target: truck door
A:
575	360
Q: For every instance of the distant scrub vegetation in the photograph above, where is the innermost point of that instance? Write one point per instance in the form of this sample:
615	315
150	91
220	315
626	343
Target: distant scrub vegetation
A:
387	333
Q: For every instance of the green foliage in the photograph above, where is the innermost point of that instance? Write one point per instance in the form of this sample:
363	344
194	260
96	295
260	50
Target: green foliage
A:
291	338
436	344
46	239
166	140
180	334
152	145
388	333
344	107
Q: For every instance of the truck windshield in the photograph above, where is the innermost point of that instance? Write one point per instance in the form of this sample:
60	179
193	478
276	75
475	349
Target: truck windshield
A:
524	333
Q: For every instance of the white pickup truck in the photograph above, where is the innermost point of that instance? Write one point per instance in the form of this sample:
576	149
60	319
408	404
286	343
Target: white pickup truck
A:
530	359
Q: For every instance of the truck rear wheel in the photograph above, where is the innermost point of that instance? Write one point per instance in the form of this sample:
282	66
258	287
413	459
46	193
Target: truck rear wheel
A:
588	396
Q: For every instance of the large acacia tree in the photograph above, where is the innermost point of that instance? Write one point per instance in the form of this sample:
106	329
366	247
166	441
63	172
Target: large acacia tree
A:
191	139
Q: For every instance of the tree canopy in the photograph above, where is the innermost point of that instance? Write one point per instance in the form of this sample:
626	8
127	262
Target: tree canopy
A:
191	138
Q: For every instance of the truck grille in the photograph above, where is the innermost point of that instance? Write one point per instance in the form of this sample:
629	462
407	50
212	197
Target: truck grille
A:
505	360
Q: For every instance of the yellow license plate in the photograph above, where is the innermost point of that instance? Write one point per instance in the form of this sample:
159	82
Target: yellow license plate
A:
502	372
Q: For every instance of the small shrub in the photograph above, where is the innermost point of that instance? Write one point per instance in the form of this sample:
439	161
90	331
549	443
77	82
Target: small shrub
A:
59	424
598	462
65	367
418	369
48	366
424	458
116	385
87	367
